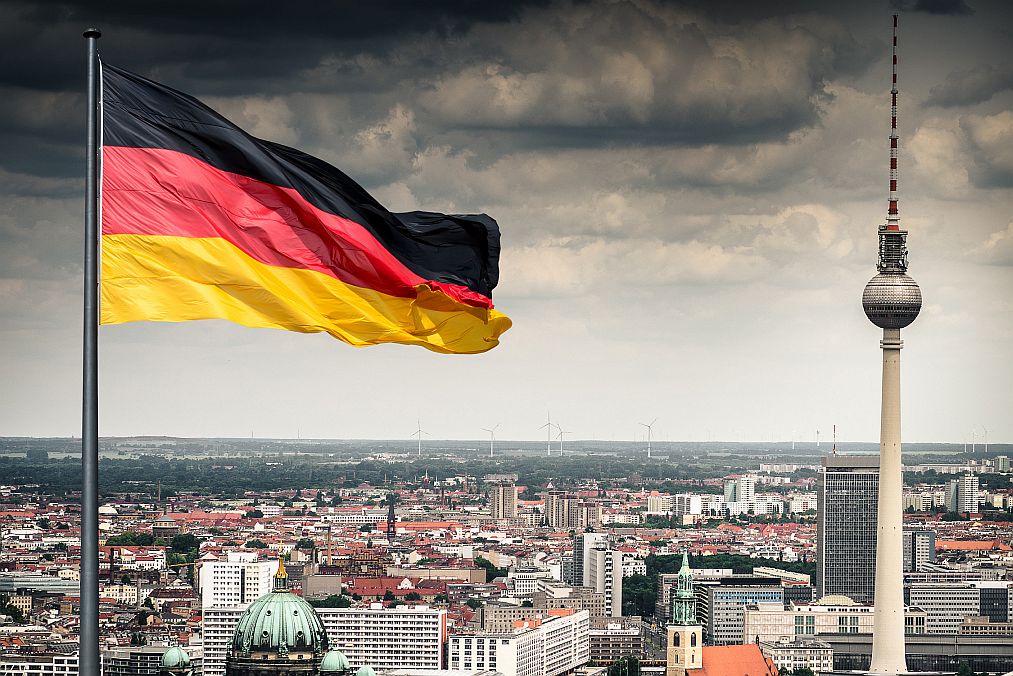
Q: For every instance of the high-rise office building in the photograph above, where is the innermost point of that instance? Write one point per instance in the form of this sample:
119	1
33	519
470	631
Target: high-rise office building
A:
604	573
1001	464
919	549
740	489
567	512
996	600
962	494
847	490
721	606
557	509
583	544
504	500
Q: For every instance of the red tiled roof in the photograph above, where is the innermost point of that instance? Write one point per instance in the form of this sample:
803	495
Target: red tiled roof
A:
972	545
734	660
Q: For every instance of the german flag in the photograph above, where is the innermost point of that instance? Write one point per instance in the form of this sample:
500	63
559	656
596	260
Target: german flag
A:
200	220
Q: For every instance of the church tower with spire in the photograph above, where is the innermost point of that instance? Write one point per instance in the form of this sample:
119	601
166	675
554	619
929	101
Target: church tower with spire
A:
685	635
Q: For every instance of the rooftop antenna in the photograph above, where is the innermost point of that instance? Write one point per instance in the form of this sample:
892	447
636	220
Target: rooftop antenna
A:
548	433
418	433
492	437
834	450
649	428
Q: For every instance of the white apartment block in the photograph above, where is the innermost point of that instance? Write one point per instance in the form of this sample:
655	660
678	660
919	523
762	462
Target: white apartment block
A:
388	638
612	517
524	582
239	580
218	626
633	566
800	654
556	645
383	638
688	504
768	622
924	501
802	502
945	605
270	511
604	573
662	505
353	516
38	665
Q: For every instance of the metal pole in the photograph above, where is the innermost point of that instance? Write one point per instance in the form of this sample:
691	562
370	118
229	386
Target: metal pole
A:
89	645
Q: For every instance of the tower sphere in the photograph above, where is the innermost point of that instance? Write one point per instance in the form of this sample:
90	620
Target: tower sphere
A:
892	300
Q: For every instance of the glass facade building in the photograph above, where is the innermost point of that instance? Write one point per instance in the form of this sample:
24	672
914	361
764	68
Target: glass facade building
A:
847	493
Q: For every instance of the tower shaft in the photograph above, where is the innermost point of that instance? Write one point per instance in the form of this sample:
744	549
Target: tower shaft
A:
888	621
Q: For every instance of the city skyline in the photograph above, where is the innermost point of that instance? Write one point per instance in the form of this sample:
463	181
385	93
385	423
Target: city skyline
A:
669	251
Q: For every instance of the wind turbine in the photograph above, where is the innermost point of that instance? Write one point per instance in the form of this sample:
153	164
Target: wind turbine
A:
560	437
548	433
492	437
649	429
418	433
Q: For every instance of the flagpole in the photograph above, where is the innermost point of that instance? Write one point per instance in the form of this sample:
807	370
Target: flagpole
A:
88	656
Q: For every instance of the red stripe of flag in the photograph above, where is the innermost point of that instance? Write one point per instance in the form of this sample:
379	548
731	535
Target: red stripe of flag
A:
150	191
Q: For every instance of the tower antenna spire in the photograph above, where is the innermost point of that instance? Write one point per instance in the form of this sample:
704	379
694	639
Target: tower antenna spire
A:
892	212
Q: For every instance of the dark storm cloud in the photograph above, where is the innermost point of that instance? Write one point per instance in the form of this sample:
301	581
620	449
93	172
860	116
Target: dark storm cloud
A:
945	7
253	44
972	86
492	78
206	48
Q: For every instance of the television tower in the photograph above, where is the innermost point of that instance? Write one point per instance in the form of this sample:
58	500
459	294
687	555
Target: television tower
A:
891	301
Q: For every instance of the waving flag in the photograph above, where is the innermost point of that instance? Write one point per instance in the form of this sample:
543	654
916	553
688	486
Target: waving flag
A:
200	220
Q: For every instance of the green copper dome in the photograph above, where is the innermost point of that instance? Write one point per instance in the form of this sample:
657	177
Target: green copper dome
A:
365	670
334	661
175	658
279	622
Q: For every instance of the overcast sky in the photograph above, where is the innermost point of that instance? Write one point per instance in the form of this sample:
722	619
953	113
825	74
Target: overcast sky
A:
688	195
